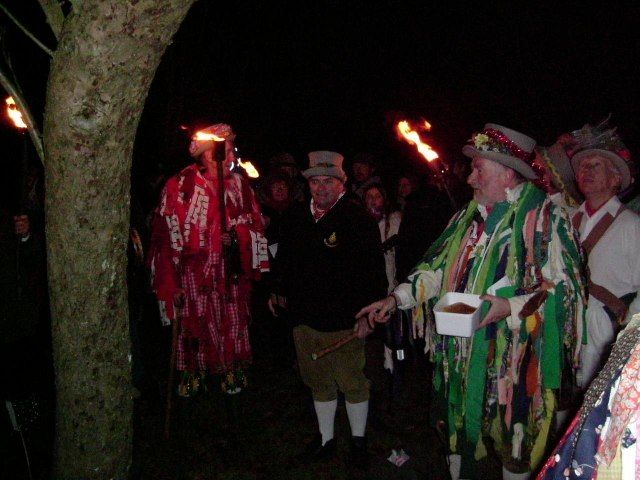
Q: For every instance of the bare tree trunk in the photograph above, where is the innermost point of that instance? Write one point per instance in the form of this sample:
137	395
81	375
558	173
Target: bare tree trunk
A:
100	75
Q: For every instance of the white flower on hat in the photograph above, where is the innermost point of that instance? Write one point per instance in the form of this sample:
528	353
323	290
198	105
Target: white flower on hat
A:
479	140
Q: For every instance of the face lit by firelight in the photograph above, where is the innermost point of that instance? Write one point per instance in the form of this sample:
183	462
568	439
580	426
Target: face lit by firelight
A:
325	190
374	200
489	181
405	187
279	191
597	177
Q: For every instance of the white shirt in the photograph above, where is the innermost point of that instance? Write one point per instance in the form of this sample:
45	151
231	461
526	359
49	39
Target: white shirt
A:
614	262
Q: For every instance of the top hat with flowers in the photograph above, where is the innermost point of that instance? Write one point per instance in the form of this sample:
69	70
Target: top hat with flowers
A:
504	146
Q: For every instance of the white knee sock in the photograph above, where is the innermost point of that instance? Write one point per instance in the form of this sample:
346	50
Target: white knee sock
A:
454	466
455	462
326	413
357	413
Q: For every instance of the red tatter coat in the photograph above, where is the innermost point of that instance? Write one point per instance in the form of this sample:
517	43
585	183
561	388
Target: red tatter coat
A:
186	254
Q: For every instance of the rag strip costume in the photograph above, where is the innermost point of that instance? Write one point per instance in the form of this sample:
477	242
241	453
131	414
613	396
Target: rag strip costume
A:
504	382
602	440
187	254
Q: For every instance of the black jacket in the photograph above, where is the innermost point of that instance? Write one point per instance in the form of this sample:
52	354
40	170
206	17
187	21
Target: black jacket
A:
330	269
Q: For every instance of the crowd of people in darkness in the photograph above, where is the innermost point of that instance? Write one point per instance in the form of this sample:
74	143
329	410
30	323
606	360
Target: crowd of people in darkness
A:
545	238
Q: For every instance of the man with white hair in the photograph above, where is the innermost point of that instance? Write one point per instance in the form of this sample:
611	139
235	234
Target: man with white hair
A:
610	236
516	249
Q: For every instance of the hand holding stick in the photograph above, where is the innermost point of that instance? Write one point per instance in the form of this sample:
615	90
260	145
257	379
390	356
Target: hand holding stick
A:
334	346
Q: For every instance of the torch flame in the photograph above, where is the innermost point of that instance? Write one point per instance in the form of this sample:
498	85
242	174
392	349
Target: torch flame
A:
413	138
204	136
14	114
249	168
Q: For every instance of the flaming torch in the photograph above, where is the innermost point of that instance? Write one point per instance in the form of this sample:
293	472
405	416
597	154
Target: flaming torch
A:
206	136
413	138
16	117
219	153
430	155
249	168
231	252
14	114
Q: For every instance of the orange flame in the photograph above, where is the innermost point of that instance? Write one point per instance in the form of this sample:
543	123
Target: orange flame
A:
14	114
249	168
413	138
204	136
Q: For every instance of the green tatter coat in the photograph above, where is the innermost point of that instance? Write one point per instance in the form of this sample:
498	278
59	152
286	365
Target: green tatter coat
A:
506	379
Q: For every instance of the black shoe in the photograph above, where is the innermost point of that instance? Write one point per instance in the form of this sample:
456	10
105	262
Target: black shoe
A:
316	452
358	455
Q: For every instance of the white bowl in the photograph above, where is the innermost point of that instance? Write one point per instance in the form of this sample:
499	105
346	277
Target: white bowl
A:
457	324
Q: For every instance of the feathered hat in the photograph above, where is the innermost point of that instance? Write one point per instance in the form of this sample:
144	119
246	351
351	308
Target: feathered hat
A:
603	139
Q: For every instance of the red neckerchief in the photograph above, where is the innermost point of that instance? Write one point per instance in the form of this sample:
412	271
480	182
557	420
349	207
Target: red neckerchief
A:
591	212
318	213
462	267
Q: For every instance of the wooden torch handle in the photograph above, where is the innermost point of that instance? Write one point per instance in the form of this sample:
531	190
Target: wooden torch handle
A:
334	346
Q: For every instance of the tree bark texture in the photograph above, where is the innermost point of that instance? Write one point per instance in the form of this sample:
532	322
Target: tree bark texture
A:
100	75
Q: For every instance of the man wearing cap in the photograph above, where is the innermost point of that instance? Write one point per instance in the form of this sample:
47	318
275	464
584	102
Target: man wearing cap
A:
610	236
284	163
364	167
195	282
330	264
516	249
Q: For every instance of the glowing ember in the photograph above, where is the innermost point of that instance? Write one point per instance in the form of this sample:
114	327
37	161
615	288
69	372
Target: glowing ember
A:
249	168
14	114
413	138
204	136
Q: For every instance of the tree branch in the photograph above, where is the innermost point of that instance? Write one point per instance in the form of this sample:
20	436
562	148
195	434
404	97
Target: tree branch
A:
34	133
46	49
55	17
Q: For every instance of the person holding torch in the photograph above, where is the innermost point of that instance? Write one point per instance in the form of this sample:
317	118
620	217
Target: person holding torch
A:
207	246
329	265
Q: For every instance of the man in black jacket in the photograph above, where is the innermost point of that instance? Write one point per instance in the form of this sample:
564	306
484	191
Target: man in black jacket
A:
330	263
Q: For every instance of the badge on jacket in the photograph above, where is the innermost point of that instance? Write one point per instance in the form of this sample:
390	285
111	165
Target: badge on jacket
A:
331	241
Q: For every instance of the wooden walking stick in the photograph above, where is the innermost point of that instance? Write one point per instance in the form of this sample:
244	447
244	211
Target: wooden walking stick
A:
334	346
175	329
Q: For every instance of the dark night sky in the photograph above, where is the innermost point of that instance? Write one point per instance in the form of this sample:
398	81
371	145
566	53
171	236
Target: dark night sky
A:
298	76
335	75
